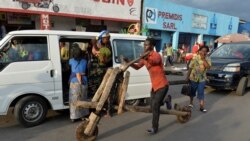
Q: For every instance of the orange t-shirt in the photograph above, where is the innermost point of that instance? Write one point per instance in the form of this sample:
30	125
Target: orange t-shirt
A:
155	68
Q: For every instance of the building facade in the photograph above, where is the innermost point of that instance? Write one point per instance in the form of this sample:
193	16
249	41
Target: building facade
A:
177	24
83	15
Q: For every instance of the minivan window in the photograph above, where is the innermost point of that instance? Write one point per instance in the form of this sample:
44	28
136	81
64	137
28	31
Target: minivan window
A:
130	49
24	49
232	51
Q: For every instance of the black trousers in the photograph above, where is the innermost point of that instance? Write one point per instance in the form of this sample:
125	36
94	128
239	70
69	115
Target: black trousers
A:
170	60
156	102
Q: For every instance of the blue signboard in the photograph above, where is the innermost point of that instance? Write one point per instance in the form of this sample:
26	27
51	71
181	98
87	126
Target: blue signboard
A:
164	15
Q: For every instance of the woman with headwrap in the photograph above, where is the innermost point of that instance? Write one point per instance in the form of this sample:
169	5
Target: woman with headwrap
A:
100	60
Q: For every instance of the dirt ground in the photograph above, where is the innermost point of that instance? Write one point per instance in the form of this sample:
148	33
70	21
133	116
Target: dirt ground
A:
7	119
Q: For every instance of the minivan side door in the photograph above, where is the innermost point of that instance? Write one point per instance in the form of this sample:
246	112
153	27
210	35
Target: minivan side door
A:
25	68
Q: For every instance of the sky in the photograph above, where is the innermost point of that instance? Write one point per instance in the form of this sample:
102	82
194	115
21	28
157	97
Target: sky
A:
238	8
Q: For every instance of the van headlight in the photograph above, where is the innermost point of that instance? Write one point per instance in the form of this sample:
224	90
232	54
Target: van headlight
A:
235	67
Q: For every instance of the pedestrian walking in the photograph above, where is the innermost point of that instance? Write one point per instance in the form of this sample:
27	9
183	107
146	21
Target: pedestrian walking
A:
78	83
170	55
154	65
197	76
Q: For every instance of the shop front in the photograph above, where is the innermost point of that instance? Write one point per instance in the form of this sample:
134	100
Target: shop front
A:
84	15
183	26
17	21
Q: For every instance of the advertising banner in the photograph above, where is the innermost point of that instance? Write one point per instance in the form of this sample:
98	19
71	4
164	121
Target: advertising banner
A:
120	10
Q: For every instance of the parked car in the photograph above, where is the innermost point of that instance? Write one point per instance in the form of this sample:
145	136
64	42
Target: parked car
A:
230	67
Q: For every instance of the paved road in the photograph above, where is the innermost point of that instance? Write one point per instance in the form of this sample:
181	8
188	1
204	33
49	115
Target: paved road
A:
227	119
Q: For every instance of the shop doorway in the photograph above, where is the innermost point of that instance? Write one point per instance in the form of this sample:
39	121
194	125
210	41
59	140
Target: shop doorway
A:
185	39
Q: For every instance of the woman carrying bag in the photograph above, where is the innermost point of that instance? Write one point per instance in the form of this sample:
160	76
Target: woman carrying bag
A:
197	76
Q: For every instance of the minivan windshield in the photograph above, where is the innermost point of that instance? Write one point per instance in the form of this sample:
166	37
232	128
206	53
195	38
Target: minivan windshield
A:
232	51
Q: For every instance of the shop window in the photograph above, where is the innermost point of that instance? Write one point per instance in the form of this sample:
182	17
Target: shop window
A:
130	49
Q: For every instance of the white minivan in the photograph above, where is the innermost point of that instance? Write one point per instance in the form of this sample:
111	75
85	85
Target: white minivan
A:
32	81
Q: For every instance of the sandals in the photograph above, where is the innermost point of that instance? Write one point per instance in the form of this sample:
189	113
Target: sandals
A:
203	110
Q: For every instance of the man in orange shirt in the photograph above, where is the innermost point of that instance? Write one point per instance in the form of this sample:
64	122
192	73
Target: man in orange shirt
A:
154	64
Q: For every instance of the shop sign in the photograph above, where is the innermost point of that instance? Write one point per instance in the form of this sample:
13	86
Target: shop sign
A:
171	17
45	22
199	21
96	9
153	16
22	19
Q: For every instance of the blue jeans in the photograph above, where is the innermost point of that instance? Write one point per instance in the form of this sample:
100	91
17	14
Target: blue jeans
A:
198	86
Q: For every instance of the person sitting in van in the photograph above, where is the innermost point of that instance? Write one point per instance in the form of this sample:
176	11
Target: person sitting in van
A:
37	55
23	53
64	51
13	51
78	83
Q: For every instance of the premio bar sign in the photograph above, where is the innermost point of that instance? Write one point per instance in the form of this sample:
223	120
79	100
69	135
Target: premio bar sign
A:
125	10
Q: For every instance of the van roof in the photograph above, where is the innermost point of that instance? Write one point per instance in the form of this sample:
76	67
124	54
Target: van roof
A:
68	33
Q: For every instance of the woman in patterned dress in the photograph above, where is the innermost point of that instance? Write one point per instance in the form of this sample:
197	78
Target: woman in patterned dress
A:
78	83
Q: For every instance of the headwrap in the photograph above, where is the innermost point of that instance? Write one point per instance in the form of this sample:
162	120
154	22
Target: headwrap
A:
104	33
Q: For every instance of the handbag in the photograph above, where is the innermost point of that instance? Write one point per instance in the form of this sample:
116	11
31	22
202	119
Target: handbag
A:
186	89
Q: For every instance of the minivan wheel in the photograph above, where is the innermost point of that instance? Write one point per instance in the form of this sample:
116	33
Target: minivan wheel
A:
30	111
241	86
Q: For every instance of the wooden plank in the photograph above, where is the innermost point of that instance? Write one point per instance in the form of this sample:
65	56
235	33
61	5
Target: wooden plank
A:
99	91
107	89
124	66
123	92
93	121
148	110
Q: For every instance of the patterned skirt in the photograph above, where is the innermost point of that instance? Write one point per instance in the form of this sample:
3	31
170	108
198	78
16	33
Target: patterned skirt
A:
77	92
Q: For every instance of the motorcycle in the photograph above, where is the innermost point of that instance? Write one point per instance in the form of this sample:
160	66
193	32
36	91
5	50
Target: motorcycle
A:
26	4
